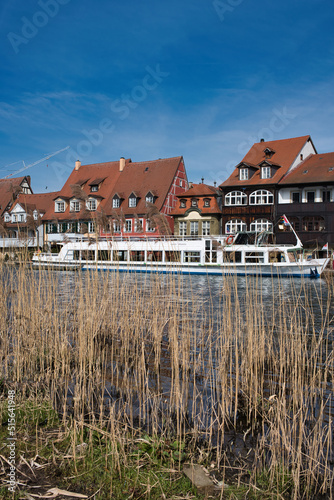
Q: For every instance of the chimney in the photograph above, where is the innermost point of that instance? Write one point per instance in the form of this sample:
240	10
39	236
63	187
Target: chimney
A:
202	179
121	164
190	185
215	183
77	165
262	140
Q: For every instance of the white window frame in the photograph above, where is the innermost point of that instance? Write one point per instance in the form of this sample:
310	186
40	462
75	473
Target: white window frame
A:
91	226
116	202
243	174
132	201
235	198
91	204
75	206
194	203
194	228
139	225
206	227
266	172
60	206
261	197
21	217
128	226
14	218
149	198
260	225
7	217
183	228
94	188
234	226
150	228
35	215
116	227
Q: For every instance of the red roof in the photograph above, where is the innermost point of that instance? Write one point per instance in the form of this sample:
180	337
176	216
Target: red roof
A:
136	177
199	191
39	201
316	168
9	190
285	152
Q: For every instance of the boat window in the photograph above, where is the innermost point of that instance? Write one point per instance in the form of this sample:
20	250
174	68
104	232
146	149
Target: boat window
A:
254	257
154	256
88	254
137	255
76	254
103	255
192	256
120	255
232	257
276	256
172	256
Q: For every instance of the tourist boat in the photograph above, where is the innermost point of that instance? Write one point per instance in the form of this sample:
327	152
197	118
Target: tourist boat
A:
247	253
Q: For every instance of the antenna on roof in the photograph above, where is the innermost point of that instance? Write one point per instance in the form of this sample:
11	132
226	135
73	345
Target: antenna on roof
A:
36	162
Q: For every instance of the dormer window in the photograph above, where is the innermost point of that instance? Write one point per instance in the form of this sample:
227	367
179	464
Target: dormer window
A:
91	205
243	174
35	215
265	172
116	201
207	202
149	198
7	217
94	188
194	202
60	206
75	206
183	204
132	200
269	152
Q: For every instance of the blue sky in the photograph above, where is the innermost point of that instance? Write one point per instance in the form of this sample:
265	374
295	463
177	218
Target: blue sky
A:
204	79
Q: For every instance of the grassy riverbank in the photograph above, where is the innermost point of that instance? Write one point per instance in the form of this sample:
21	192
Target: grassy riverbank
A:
119	382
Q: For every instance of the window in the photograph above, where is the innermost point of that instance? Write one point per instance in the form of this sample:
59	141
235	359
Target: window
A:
14	218
91	227
128	226
236	198
132	201
235	226
243	174
194	228
75	206
207	202
116	202
183	204
183	228
51	228
310	196
261	197
149	198
21	217
60	206
259	225
192	257
139	225
35	215
294	221
91	204
194	202
265	172
314	223
150	226
296	197
206	228
117	227
7	217
181	183
94	188
326	196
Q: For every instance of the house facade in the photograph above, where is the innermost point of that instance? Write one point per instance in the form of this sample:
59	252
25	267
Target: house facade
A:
198	211
22	222
306	196
250	194
120	198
